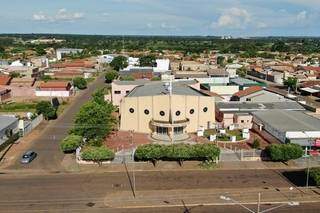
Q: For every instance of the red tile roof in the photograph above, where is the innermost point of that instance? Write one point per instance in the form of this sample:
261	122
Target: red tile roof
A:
54	84
4	79
317	69
248	91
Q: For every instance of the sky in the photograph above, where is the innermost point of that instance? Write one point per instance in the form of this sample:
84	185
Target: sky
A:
237	18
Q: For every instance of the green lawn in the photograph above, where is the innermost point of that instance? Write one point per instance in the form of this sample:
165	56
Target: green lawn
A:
18	107
223	137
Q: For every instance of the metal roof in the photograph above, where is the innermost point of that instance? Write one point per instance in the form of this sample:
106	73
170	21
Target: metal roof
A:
6	120
251	107
160	88
243	81
285	120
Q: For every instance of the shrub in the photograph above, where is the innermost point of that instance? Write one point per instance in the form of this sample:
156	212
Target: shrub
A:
97	154
256	144
176	152
80	83
70	143
155	78
315	175
95	142
284	152
127	78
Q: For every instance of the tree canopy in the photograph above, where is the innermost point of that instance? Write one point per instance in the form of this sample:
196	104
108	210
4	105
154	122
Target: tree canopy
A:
147	61
46	109
95	119
80	82
110	76
119	63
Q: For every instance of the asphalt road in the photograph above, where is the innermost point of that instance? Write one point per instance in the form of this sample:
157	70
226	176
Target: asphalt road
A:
88	192
47	144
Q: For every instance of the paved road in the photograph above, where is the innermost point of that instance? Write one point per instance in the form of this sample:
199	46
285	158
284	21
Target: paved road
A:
88	192
47	144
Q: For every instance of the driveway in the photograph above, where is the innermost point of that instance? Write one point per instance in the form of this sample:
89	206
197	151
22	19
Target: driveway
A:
47	143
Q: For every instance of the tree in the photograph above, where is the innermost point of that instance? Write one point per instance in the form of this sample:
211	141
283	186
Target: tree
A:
111	75
98	97
46	109
291	82
80	82
220	60
97	154
40	51
70	143
242	72
315	175
280	46
147	61
119	63
95	119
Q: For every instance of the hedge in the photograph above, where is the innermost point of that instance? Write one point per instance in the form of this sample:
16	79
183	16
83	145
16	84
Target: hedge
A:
284	152
315	175
97	154
176	152
70	143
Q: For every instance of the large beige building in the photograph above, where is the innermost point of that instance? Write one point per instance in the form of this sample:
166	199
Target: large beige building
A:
152	108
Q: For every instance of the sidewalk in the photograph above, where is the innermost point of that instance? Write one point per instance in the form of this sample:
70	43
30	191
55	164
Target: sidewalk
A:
199	197
70	166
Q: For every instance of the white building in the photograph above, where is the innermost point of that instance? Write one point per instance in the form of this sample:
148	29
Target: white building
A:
66	51
163	65
232	69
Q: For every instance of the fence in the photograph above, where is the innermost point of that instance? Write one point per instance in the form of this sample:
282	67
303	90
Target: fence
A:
31	125
241	155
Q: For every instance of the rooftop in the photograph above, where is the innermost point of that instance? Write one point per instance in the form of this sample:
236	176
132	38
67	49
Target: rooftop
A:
243	81
54	84
4	79
248	91
289	120
6	120
250	107
160	88
135	82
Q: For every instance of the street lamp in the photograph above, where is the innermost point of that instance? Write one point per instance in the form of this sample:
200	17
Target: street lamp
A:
290	203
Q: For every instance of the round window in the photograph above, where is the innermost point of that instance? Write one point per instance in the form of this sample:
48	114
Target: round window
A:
131	110
191	111
146	112
205	109
178	113
162	113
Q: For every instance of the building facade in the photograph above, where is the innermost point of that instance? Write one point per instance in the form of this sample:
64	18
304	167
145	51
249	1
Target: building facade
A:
151	109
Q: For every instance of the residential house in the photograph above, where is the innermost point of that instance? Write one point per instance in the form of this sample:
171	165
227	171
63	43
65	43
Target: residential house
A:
257	94
54	89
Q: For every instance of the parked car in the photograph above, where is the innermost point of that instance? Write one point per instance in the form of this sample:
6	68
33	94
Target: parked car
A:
28	157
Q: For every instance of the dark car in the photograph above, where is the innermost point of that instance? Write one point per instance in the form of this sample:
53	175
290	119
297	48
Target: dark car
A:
28	157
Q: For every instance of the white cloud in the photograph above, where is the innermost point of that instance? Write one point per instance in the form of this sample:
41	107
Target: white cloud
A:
61	15
235	18
302	16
